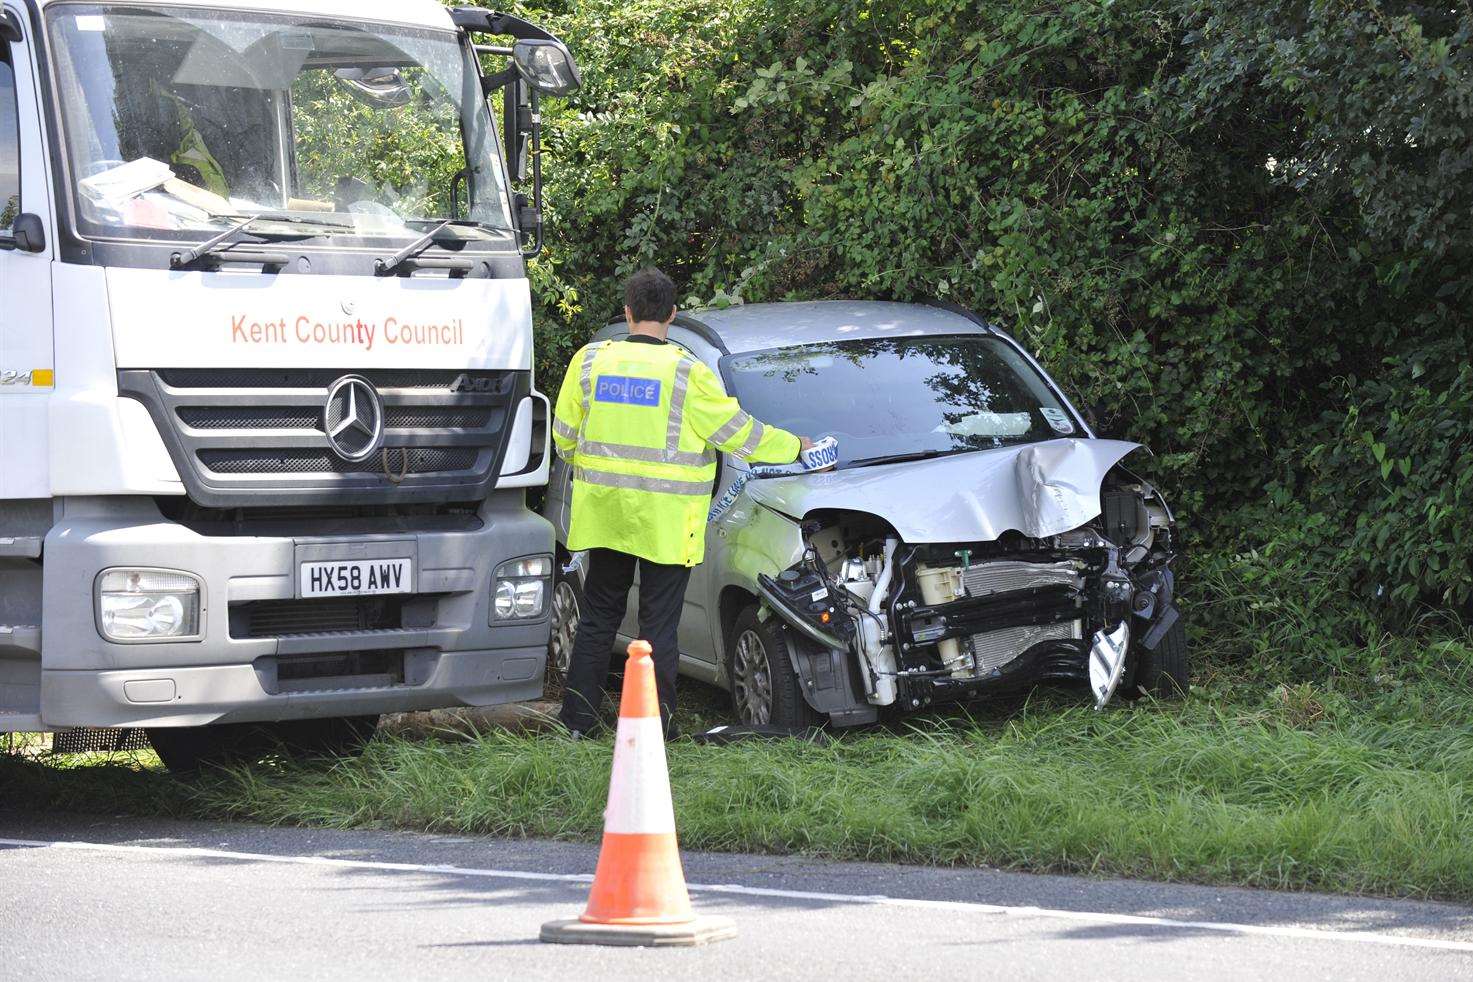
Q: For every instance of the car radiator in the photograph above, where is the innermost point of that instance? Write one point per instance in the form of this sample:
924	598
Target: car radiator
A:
993	649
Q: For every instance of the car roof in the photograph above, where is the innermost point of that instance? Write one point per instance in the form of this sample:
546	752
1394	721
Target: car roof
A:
759	326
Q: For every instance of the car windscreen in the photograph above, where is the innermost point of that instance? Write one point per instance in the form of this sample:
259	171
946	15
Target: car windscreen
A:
180	122
900	396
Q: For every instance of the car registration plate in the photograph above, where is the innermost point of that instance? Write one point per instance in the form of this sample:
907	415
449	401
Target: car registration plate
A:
356	577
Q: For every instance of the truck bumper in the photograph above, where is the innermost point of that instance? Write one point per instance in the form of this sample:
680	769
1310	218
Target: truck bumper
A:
264	653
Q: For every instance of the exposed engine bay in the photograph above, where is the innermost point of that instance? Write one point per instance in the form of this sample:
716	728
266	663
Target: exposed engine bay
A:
919	624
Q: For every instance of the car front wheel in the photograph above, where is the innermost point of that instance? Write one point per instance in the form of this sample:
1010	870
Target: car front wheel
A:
566	610
765	691
1164	673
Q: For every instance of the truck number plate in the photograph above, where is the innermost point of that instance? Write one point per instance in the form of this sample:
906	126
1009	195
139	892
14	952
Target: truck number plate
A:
357	577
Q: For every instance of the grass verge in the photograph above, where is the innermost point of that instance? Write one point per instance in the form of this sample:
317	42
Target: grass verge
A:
1362	786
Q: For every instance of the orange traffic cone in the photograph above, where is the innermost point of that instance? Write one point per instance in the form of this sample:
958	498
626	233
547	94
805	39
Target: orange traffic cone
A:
639	895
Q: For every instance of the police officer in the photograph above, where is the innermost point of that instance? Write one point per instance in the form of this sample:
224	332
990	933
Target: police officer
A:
637	419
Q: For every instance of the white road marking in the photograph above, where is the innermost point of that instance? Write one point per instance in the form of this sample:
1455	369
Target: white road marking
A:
880	900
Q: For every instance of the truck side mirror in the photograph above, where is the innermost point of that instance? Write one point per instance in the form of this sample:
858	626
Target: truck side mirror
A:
29	233
547	66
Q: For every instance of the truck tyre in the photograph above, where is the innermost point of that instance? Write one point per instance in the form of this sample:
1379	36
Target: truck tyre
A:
335	736
765	691
1163	673
185	749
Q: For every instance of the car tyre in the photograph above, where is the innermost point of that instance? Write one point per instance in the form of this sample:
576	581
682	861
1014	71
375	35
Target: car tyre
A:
765	690
1165	672
567	607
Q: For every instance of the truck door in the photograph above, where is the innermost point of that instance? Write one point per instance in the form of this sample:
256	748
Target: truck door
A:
25	376
26	242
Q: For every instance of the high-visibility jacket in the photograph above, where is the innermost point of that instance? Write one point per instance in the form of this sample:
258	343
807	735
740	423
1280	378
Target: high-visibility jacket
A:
637	421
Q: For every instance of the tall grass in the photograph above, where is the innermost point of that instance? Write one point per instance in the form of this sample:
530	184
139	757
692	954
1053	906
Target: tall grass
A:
1282	793
1325	764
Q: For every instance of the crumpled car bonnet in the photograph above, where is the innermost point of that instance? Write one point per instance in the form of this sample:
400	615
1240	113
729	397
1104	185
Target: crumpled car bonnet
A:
1038	489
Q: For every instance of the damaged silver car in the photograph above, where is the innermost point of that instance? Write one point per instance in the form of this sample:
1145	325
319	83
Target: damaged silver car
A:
974	538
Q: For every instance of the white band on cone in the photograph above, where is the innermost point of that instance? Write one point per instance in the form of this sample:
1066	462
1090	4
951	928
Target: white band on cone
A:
639	789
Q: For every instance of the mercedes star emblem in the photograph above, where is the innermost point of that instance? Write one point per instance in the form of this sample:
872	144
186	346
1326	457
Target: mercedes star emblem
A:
353	418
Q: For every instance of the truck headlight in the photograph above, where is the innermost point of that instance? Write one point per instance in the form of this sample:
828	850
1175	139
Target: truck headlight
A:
147	605
522	586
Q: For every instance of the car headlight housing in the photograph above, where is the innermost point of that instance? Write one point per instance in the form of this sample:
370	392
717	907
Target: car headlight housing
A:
138	605
521	588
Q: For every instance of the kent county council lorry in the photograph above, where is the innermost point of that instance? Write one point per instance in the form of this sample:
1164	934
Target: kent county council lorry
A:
267	416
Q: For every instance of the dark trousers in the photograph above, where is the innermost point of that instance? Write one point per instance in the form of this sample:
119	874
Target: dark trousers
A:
605	596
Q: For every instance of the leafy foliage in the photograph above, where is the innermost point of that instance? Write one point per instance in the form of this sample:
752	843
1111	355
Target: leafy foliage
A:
1241	232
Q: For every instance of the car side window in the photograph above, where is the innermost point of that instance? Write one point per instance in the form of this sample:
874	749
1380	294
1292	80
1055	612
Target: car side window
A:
9	144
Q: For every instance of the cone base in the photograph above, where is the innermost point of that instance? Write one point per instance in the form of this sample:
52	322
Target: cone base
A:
702	930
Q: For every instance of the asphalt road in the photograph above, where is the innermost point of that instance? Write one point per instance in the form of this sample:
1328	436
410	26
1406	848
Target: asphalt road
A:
87	898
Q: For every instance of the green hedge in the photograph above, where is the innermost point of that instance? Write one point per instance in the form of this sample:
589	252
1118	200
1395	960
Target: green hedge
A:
1243	234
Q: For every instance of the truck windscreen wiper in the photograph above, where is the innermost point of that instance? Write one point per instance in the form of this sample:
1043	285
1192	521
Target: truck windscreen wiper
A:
181	259
898	458
227	238
410	251
427	239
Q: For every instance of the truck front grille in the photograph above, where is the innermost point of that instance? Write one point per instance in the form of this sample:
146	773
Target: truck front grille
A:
330	615
334	672
255	437
409	460
307	418
249	418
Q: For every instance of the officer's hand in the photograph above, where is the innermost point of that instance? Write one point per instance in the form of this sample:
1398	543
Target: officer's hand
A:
804	444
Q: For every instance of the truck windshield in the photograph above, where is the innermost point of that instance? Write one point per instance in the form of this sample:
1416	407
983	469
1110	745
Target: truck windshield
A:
900	397
180	122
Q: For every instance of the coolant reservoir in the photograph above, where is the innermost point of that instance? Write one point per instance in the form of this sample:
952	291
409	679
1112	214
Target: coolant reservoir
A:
942	585
855	578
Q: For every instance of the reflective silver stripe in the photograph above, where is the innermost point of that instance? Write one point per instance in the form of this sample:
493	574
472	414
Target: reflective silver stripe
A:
731	427
563	429
585	375
585	382
753	439
636	482
674	424
648	455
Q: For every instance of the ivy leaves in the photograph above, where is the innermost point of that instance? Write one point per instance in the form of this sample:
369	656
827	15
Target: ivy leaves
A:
1241	230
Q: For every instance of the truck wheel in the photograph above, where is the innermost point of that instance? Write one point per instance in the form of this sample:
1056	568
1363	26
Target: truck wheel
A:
336	736
567	607
185	749
1163	673
764	688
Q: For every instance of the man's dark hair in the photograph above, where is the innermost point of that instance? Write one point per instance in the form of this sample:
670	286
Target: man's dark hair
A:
650	295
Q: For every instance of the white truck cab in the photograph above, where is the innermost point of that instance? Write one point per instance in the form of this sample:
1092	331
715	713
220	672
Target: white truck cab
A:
267	416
